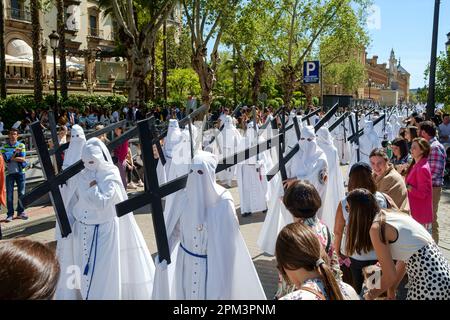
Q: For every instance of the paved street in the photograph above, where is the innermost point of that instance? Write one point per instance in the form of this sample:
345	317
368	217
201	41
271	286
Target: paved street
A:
250	228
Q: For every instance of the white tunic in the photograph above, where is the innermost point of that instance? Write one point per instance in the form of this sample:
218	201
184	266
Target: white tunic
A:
212	260
251	177
336	190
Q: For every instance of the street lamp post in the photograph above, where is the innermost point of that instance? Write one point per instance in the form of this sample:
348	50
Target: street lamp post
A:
235	71
370	86
54	42
432	79
447	44
335	89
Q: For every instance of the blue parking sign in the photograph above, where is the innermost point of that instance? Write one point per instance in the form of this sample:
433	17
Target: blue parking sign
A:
311	72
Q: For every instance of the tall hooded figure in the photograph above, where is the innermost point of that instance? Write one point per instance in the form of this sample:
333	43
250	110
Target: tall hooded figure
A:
109	252
173	138
336	189
309	164
212	260
251	175
367	142
64	248
228	142
312	164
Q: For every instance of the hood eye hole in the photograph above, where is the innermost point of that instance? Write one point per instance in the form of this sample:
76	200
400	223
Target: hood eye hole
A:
200	172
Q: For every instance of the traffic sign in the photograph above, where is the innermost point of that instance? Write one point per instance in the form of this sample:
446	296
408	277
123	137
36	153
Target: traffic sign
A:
311	72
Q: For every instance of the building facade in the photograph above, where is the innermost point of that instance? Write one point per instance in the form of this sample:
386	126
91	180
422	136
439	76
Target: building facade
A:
87	31
386	79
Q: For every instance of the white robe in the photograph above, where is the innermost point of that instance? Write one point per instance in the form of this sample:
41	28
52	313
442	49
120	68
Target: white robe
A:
64	246
251	178
223	268
336	189
228	142
120	266
367	142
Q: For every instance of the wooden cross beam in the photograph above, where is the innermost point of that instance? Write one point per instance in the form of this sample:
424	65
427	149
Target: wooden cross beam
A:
223	125
154	192
284	160
338	121
51	184
54	133
355	137
96	133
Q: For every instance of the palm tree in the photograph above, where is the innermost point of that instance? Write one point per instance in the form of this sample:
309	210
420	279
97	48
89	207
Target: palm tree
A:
2	53
36	46
62	48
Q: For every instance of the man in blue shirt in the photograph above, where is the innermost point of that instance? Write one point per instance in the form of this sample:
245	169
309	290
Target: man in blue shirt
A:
14	154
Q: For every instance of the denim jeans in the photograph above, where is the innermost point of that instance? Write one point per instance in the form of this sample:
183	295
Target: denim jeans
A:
11	179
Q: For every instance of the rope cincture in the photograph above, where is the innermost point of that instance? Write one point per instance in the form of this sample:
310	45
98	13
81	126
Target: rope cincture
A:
86	268
201	256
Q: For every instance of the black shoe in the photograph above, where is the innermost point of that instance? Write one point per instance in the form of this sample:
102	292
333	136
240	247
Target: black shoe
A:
246	214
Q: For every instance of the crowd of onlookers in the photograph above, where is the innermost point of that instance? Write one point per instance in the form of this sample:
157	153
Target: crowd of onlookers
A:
387	221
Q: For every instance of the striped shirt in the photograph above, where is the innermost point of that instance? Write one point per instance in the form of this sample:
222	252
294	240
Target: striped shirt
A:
436	160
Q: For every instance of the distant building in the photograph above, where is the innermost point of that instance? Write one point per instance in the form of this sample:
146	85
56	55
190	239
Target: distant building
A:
384	80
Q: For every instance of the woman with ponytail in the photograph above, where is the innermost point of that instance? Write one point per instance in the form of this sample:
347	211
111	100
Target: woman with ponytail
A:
303	262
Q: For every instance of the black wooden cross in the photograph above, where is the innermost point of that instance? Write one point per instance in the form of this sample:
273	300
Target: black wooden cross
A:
222	126
51	184
338	122
355	137
154	192
281	165
54	133
93	134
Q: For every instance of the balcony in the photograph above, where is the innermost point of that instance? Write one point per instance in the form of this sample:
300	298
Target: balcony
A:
18	14
95	33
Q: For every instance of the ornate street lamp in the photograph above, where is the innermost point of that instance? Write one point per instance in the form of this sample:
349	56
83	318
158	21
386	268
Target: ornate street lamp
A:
370	86
54	42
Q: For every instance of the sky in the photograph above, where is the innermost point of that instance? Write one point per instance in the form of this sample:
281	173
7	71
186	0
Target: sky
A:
406	26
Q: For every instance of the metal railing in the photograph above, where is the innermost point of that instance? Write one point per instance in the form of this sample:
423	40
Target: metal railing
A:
18	14
95	33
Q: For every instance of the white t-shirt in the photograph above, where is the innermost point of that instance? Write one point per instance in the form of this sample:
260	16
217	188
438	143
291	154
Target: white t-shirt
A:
2	126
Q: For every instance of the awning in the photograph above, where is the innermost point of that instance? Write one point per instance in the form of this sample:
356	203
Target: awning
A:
19	48
17	61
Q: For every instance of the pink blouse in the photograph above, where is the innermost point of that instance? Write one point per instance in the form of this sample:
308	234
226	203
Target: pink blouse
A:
421	195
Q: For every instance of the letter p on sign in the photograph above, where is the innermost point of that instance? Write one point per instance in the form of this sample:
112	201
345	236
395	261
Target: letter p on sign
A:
311	71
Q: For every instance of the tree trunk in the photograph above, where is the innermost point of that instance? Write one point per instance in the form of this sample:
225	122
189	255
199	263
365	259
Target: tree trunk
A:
36	44
206	75
288	85
2	53
62	48
152	85
139	70
256	83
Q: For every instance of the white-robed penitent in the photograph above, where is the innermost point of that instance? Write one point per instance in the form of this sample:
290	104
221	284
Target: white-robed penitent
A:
228	141
336	189
109	253
64	246
309	165
251	175
313	165
173	138
367	142
211	260
341	134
